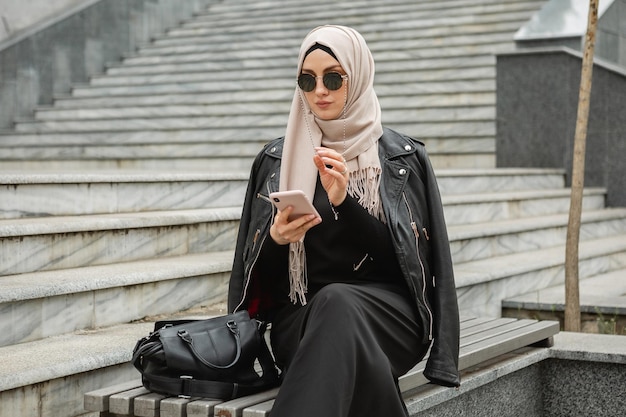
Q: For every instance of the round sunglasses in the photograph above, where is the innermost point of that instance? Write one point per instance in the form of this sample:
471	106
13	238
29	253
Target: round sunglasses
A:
331	80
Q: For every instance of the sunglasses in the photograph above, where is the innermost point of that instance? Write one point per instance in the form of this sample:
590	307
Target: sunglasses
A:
331	80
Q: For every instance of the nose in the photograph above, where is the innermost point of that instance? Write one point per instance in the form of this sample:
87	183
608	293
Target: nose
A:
320	88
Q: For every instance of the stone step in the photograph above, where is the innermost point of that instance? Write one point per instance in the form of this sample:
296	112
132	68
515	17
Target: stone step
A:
57	119
417	76
386	50
458	25
465	209
215	157
52	303
472	242
271	45
223	92
76	193
352	15
602	303
470	181
278	64
61	242
274	118
32	194
216	101
155	164
482	284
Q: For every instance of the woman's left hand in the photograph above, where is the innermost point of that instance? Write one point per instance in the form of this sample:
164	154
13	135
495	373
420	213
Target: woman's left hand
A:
333	174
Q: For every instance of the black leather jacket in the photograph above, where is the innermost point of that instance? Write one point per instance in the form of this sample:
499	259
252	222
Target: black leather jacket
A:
414	214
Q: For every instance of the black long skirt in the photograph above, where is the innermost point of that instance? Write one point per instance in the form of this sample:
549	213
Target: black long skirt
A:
343	352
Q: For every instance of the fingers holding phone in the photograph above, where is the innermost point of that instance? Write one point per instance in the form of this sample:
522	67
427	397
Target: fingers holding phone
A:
296	215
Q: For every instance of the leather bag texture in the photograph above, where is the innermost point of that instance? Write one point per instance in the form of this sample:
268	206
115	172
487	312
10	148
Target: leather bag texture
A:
222	357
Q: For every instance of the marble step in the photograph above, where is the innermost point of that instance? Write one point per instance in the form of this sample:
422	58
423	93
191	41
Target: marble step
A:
471	181
213	164
448	152
76	193
278	64
236	113
385	49
397	75
279	86
60	242
242	98
309	15
454	26
51	303
483	207
453	145
601	296
273	117
42	194
270	45
482	284
471	242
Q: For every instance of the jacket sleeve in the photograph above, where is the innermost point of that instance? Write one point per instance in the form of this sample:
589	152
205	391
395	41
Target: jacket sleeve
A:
442	365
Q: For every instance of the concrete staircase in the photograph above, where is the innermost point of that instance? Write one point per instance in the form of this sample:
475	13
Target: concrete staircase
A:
120	202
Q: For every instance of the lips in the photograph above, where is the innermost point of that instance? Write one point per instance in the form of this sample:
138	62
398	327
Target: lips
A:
323	104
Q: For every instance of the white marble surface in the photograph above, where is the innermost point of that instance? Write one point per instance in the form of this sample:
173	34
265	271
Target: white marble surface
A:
60	302
37	195
66	242
481	285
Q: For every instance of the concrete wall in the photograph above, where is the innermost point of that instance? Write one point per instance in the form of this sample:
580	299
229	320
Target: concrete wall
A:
536	108
18	15
66	49
564	23
581	375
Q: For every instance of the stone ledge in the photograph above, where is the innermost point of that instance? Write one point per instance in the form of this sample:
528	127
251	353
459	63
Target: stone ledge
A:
527	386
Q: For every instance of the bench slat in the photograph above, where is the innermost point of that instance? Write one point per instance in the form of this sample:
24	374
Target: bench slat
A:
122	403
174	407
476	350
202	408
259	410
148	405
98	400
234	408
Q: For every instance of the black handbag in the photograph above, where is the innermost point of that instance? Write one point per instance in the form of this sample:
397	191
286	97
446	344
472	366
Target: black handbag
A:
215	358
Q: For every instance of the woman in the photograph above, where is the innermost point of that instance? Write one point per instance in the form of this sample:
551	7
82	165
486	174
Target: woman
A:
357	295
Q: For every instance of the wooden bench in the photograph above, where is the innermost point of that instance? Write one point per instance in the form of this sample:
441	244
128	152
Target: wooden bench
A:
482	339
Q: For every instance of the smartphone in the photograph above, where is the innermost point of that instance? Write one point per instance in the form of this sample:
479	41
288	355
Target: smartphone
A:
297	199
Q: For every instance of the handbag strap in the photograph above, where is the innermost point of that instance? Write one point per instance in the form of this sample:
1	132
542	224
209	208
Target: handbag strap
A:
234	330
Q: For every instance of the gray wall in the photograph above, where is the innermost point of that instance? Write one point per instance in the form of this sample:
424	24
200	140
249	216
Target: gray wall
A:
551	388
564	23
19	15
537	101
67	49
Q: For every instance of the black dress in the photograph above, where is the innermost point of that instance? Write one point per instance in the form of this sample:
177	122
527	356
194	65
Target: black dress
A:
342	352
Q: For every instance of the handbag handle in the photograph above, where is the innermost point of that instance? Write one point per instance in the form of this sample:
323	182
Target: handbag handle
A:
234	330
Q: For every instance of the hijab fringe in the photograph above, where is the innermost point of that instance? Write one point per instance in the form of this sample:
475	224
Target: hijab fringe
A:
364	186
297	272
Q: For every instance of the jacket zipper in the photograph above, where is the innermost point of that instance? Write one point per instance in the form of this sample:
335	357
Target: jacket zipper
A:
258	252
419	258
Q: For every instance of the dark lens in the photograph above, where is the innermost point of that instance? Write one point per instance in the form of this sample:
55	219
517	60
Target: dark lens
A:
333	80
306	82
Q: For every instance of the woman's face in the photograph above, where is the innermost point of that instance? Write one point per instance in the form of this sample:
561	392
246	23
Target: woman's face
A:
326	104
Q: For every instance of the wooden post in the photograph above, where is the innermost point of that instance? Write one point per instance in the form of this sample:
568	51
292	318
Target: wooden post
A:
572	296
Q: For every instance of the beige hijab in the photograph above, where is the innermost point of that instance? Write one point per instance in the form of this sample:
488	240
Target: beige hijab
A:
354	134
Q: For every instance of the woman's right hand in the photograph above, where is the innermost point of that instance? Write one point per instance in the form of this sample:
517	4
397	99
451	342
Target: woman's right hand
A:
284	231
